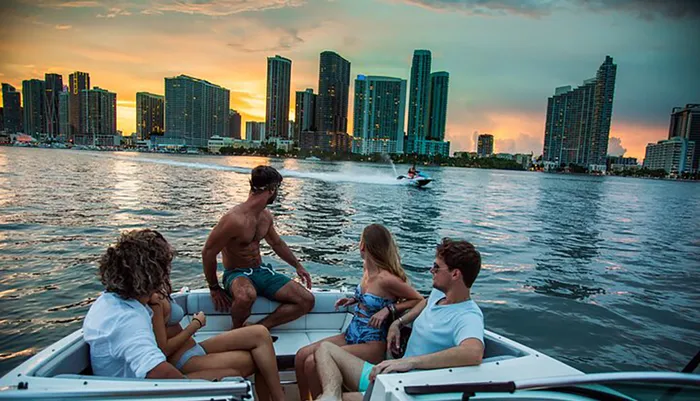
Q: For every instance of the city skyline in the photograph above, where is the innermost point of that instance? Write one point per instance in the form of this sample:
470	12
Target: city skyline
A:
499	81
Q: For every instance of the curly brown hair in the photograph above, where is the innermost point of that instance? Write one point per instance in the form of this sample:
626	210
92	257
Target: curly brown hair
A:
137	265
461	255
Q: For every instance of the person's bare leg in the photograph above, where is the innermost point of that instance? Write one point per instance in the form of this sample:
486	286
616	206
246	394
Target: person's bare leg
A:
335	367
305	367
372	352
353	396
261	388
295	300
211	374
244	296
255	339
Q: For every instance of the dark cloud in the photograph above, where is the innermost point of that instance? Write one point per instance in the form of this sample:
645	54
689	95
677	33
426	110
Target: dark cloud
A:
286	40
615	147
646	9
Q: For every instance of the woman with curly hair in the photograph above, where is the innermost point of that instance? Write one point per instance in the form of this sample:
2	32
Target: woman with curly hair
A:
384	290
131	335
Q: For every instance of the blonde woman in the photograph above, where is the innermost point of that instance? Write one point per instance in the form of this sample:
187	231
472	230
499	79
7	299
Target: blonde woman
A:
384	289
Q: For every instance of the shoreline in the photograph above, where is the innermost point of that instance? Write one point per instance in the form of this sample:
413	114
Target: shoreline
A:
376	159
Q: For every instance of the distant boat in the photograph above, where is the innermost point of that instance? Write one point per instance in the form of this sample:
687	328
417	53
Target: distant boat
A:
313	159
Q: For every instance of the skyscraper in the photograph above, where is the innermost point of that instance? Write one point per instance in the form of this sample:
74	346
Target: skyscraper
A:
33	104
150	115
99	117
380	104
78	81
11	109
333	92
439	82
304	112
685	123
234	124
418	98
195	110
578	121
64	112
254	131
484	147
54	86
602	114
279	74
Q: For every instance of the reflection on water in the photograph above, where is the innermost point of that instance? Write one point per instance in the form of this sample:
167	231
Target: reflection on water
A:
571	241
600	272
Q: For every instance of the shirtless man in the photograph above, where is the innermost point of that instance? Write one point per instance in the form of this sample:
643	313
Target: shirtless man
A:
237	236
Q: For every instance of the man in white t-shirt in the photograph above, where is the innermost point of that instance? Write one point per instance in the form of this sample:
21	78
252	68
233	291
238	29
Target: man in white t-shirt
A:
448	328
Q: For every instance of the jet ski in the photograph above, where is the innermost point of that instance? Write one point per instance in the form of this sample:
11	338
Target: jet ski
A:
418	180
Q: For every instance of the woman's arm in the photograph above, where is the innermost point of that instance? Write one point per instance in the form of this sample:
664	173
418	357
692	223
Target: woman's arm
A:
169	345
400	290
403	291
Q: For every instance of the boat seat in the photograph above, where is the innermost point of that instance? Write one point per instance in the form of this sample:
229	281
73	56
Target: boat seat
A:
74	359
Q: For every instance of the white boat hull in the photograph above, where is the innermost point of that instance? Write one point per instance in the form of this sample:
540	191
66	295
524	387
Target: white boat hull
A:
62	370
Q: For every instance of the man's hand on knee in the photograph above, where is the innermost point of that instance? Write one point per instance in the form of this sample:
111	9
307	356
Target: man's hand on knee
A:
391	366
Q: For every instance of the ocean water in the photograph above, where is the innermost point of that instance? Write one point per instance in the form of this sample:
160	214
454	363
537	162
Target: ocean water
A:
600	272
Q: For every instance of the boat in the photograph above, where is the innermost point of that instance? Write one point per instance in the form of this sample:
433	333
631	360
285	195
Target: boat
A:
313	159
419	180
509	370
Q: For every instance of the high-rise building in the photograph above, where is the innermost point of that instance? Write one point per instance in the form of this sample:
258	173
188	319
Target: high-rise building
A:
11	109
54	86
254	131
484	147
78	82
234	124
2	119
602	114
279	75
64	113
674	155
380	104
305	113
685	123
150	115
439	83
419	98
98	116
333	92
33	105
195	110
578	121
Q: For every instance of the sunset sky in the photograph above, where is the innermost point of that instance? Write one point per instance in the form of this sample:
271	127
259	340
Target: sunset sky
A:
504	57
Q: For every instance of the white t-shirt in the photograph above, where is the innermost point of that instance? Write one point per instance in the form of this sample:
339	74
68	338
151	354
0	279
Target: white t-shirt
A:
121	338
439	327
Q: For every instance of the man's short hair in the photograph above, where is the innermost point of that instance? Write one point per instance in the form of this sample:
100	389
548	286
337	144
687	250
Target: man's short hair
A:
461	255
264	178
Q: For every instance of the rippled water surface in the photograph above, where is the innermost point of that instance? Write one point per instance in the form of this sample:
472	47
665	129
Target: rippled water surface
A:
600	272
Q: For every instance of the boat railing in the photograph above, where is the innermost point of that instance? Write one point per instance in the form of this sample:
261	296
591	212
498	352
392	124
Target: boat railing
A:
234	388
557	383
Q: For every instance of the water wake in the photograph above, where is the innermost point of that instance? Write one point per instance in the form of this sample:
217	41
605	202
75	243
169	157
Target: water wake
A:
353	175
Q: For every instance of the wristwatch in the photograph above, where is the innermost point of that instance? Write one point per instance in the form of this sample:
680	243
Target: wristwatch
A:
214	286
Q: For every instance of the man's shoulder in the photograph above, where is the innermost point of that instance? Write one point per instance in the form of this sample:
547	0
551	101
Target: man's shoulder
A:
233	218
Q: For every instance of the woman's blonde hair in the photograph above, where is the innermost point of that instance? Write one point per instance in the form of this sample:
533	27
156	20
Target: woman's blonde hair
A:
381	247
